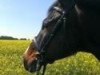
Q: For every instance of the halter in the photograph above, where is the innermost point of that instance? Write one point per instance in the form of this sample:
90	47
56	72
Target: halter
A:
41	64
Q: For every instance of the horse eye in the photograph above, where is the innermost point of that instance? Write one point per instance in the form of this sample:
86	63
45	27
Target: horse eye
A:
46	22
45	26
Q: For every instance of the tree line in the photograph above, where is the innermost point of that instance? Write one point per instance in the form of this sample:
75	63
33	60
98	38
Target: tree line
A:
10	38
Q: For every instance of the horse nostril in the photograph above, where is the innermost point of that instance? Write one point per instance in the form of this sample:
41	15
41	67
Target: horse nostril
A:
37	53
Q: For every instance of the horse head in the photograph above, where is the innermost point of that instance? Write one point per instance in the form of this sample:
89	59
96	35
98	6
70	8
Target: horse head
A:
64	32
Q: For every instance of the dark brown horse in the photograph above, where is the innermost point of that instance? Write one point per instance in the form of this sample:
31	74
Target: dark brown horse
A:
71	26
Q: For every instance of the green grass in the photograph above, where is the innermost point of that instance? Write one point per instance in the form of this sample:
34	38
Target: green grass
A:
11	61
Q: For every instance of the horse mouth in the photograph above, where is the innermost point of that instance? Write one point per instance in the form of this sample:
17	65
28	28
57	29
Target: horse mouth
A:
31	67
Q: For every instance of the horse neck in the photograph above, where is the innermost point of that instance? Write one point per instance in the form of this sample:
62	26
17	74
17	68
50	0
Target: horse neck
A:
89	22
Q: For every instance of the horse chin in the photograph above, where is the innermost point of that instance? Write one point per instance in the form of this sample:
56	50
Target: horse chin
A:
31	67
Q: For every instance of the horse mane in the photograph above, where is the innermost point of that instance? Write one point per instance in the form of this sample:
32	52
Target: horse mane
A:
89	5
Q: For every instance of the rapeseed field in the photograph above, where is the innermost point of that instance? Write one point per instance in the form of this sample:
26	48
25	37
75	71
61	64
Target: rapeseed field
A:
11	61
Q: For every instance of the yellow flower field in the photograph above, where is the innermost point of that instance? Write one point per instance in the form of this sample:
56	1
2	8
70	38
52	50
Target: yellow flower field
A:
11	61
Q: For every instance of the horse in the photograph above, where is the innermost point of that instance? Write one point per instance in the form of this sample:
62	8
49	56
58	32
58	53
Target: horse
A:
70	26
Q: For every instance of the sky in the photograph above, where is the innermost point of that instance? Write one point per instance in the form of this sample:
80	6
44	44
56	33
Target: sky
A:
22	18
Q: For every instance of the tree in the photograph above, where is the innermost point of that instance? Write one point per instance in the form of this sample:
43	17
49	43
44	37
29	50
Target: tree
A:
8	38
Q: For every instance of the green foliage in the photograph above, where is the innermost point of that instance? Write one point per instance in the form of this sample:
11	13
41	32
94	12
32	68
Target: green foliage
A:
11	61
8	38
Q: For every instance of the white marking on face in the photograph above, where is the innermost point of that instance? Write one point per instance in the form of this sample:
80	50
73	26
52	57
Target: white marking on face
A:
26	50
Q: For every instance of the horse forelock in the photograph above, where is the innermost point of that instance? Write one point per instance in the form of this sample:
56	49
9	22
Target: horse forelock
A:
52	15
